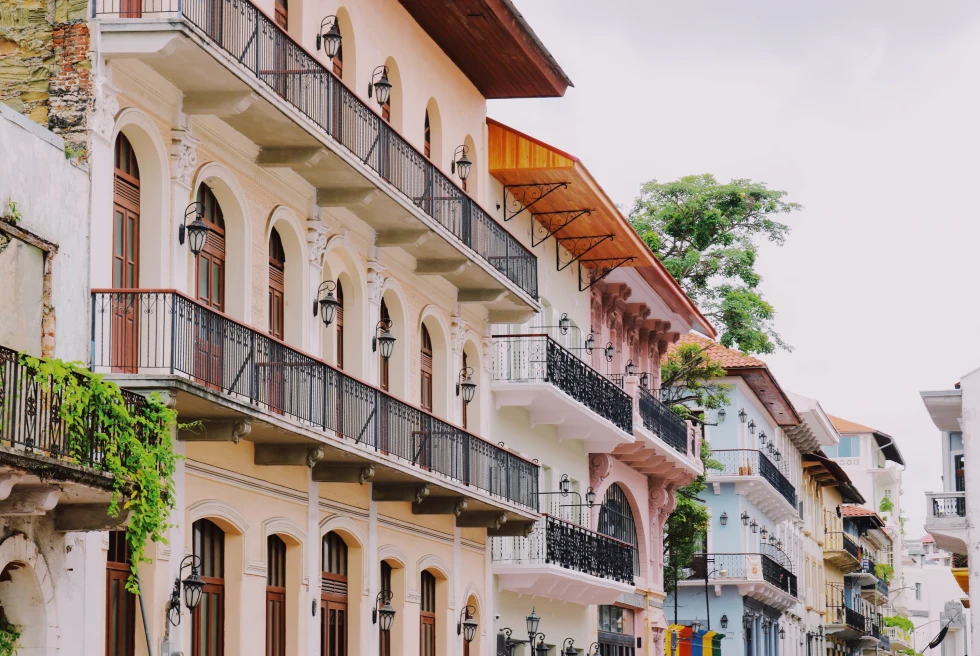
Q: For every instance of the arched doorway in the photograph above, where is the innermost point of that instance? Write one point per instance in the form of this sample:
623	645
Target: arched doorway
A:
120	603
275	597
210	289
125	255
427	614
616	521
208	620
333	596
277	285
384	637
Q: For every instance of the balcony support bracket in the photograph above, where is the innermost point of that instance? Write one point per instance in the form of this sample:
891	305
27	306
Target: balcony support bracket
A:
287	455
30	500
599	269
440	267
440	506
89	517
215	431
577	247
399	492
525	196
325	472
511	529
481	519
548	224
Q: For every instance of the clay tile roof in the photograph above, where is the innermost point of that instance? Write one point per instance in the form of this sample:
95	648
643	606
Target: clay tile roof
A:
927	539
885	441
856	511
847	426
729	358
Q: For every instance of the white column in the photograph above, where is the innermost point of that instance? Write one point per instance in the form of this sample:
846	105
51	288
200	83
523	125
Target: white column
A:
375	289
183	162
100	161
313	563
175	551
369	631
316	241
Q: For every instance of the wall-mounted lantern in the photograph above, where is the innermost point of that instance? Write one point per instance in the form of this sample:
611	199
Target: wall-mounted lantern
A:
564	323
610	352
329	39
724	621
466	384
568	649
383	610
590	342
723	519
564	486
630	368
590	496
193	588
752	427
197	232
461	163
380	85
467	625
742	415
762	438
754	526
721	415
383	338
745	518
326	303
764	533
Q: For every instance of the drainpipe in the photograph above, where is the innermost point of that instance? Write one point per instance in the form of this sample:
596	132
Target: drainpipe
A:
146	627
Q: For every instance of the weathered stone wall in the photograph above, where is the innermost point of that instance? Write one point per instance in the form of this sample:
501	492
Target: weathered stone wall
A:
45	71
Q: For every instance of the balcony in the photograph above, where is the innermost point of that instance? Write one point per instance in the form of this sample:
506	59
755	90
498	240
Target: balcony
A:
946	520
240	382
566	562
898	638
45	469
756	477
756	575
842	551
842	621
876	592
534	371
230	61
865	575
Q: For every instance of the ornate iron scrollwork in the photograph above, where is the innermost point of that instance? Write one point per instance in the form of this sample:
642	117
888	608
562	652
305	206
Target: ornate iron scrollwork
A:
550	223
525	196
578	246
596	270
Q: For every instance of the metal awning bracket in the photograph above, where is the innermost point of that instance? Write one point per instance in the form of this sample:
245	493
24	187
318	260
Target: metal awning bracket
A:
548	224
577	246
526	195
599	269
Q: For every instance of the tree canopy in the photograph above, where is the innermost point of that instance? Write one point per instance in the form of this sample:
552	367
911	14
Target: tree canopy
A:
707	234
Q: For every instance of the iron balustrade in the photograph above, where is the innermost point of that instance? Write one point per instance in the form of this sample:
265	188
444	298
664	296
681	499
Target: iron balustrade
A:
879	586
166	332
752	462
841	541
873	621
840	612
570	546
538	357
743	566
658	418
30	416
944	505
268	53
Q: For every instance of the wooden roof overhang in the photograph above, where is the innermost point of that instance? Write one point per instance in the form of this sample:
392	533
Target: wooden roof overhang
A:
826	472
767	389
569	205
492	44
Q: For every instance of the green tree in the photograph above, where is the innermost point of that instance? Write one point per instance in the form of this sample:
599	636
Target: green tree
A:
706	234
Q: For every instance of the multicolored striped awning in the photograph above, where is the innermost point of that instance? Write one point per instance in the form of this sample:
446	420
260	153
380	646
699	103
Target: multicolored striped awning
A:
682	641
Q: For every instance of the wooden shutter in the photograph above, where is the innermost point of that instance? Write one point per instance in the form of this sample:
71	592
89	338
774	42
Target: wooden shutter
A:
275	597
333	596
340	326
125	256
120	604
208	623
428	136
427	616
277	289
282	14
210	278
426	369
461	397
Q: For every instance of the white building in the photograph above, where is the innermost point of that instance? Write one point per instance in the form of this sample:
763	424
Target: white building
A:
934	598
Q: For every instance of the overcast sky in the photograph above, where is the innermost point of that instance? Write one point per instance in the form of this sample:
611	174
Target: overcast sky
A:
865	112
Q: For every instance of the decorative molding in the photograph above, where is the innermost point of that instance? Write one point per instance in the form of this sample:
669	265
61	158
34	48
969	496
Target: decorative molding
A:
457	334
316	241
375	281
392	552
106	108
183	156
285	526
344	524
204	470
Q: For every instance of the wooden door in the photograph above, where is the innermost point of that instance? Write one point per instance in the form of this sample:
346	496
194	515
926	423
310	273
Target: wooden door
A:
273	368
125	258
333	596
275	597
427	616
422	439
131	9
120	604
210	284
208	620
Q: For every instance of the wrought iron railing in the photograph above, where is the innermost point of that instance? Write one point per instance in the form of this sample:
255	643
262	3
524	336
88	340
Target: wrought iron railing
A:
839	612
571	546
841	541
947	505
265	51
743	566
661	420
537	357
873	621
165	332
752	462
30	416
879	586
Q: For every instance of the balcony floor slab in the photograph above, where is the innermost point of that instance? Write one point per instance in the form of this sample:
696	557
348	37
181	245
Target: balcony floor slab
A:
555	582
760	492
760	590
652	456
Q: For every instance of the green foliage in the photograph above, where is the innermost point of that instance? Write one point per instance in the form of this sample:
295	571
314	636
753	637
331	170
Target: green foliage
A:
885	572
908	651
886	505
706	234
9	635
12	214
687	375
73	152
136	447
903	623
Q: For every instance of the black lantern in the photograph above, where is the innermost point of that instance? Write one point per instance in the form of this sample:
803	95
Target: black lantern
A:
466	384
383	610
540	649
747	622
721	415
564	487
329	39
778	456
630	368
380	85
772	448
197	232
593	649
754	526
724	518
696	626
532	624
645	379
742	415
590	497
763	533
724	621
383	338
326	303
610	352
752	427
564	323
461	163
745	518
762	438
568	648
466	624
590	342
193	587
782	633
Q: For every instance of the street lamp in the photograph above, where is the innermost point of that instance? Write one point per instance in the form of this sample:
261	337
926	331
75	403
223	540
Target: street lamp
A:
197	232
193	587
329	39
466	624
532	624
695	626
380	85
383	610
568	649
383	338
467	385
461	166
326	304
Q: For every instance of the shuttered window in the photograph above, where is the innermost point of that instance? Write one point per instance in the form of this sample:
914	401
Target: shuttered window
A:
426	369
208	629
333	596
277	290
275	597
427	615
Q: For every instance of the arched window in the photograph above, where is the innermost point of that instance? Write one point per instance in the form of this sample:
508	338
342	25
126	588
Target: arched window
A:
428	136
427	615
208	628
277	289
275	597
282	14
384	371
426	369
340	326
385	636
210	277
616	521
125	255
120	603
333	596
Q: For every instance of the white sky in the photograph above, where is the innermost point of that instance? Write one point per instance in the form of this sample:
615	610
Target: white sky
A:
866	112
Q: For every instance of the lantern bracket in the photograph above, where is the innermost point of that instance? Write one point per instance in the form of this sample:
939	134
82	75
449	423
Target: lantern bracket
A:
577	247
598	269
549	224
526	196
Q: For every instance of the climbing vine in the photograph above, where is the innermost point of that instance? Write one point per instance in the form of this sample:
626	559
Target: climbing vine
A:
9	635
886	505
885	572
903	623
134	444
